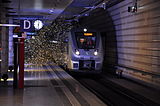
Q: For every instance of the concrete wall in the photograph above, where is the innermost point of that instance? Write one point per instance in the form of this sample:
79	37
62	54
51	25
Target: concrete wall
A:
3	41
131	39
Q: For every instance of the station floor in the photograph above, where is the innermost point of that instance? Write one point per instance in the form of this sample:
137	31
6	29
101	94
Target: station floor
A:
47	86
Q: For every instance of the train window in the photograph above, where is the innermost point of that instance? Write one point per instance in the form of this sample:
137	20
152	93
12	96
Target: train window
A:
85	42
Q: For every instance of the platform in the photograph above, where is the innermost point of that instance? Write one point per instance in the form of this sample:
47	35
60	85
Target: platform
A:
47	85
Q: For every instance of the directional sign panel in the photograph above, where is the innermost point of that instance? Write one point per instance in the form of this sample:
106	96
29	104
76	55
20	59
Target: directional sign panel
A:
26	25
30	25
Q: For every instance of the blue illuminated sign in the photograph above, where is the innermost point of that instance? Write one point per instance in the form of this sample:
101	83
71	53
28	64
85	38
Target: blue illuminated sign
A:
31	33
30	25
26	26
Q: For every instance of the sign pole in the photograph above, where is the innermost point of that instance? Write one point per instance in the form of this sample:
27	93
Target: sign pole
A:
21	63
15	79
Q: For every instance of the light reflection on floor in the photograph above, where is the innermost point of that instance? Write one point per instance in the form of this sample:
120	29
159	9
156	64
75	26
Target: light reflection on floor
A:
39	72
46	86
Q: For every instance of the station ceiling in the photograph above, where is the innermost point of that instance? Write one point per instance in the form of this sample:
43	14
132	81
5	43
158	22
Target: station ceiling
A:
49	10
45	9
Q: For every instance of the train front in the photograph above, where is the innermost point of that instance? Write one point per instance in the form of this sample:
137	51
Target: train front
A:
86	51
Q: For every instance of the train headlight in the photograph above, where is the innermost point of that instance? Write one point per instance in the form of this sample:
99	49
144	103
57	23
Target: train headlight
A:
77	52
85	29
96	53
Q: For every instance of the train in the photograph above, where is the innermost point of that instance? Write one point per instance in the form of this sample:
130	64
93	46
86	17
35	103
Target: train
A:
84	52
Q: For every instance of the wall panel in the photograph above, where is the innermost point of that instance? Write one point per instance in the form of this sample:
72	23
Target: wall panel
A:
131	40
138	39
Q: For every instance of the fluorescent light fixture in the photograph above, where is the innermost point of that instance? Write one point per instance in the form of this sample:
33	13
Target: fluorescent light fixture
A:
15	36
9	25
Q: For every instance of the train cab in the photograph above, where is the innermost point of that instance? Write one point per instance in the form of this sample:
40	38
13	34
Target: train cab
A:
85	52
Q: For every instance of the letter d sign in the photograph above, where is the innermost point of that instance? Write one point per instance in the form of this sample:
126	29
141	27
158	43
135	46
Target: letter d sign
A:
26	26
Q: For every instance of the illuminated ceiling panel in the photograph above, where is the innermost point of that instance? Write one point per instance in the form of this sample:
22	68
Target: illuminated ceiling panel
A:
46	9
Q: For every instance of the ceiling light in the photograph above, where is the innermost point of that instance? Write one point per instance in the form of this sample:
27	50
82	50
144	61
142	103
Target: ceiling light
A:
77	52
9	25
51	10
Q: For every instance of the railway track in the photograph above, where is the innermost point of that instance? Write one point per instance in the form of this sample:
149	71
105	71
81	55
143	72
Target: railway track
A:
111	93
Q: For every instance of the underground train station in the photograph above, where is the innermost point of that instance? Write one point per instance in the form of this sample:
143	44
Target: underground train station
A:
79	52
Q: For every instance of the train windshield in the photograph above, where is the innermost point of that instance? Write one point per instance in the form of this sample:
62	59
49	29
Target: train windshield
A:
86	40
